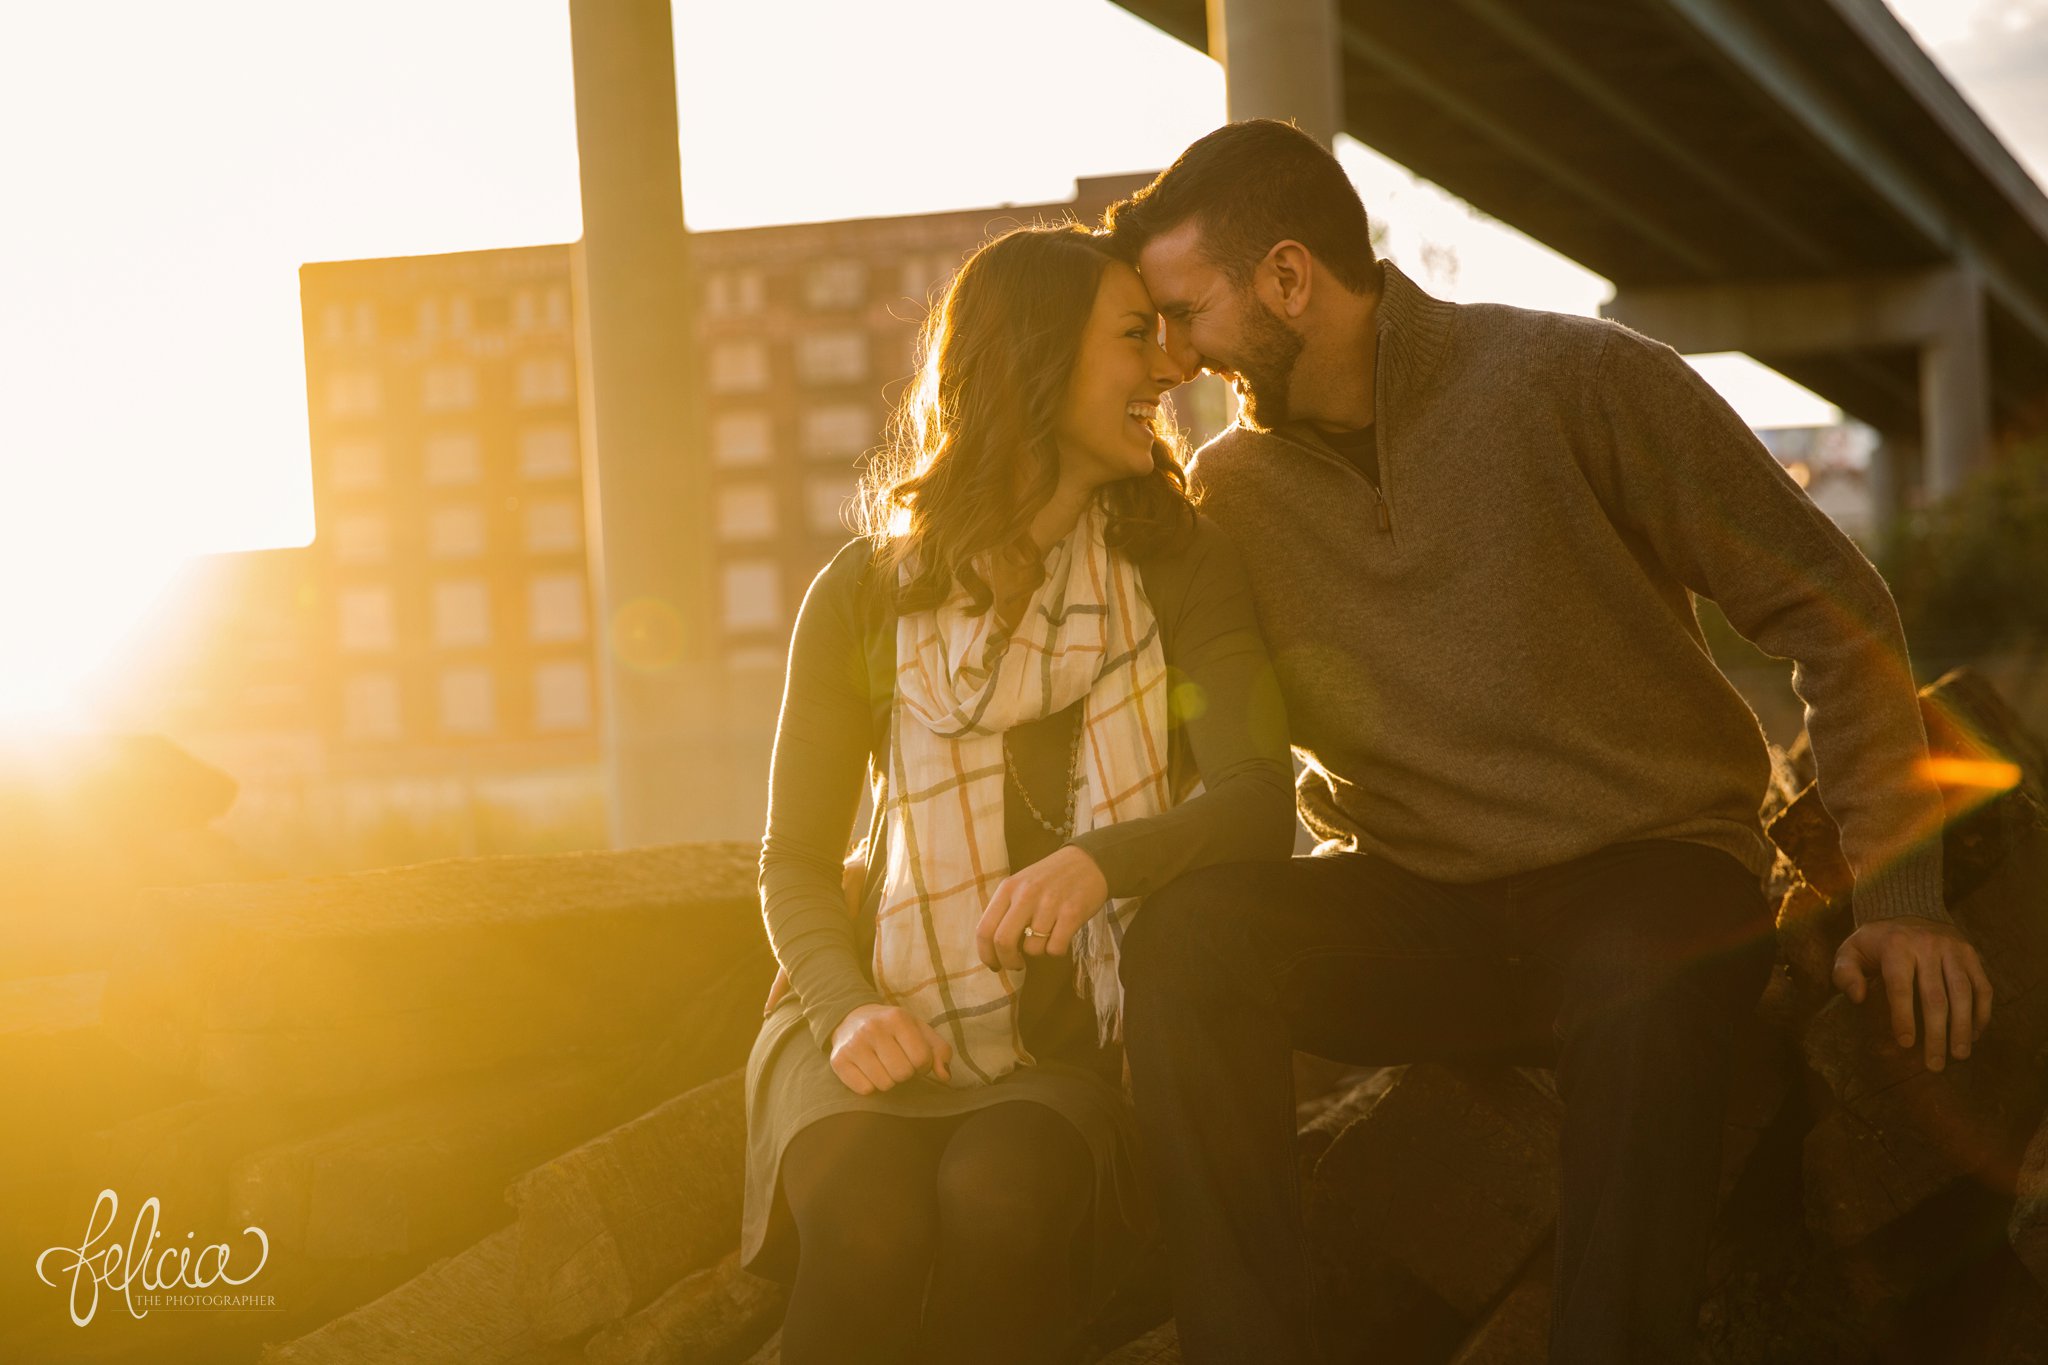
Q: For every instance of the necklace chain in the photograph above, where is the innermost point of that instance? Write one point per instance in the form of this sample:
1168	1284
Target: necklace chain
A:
1061	831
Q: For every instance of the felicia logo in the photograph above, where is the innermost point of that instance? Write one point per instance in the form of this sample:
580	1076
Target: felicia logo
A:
159	1273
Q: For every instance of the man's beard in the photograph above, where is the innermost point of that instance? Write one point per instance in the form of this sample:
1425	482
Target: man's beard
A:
1267	367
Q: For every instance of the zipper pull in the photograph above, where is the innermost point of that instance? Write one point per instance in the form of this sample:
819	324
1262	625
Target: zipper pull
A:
1379	503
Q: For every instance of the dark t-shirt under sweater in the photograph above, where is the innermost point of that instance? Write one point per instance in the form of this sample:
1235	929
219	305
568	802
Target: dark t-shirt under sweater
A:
1360	447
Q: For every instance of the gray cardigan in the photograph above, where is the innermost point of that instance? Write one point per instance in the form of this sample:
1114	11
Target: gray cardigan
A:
1225	722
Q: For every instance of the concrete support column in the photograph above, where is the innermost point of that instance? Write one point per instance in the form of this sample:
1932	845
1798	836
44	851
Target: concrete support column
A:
1955	390
1894	474
1281	59
644	458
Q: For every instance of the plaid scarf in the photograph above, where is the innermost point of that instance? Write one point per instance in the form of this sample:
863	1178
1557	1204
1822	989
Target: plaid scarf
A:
961	681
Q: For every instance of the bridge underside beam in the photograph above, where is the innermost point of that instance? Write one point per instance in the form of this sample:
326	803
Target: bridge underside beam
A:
1846	324
1826	119
1676	142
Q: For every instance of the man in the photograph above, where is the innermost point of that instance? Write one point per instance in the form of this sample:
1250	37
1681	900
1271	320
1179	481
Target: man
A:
1474	533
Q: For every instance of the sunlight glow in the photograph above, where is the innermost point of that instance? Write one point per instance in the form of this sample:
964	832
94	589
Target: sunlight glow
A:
167	169
1988	774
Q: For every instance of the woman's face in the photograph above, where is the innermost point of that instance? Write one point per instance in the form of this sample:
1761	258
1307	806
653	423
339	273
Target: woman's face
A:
1105	428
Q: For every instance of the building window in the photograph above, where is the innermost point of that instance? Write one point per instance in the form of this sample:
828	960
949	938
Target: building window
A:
561	696
558	308
925	277
366	321
334	322
832	358
839	432
739	366
361	539
542	380
525	311
466	700
454	457
735	292
826	504
365	618
462	613
753	594
449	388
456	532
356	464
459	315
553	525
555	607
428	317
547	452
354	393
369	706
741	438
835	284
746	512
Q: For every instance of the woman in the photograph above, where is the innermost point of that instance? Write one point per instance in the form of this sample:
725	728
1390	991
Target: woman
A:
1033	652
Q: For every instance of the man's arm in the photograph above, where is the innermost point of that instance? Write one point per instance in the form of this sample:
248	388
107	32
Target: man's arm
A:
1684	473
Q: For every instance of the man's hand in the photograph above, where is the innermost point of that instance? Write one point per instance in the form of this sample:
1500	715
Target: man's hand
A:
1925	959
1054	896
875	1046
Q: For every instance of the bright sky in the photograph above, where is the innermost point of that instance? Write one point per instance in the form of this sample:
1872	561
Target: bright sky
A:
167	168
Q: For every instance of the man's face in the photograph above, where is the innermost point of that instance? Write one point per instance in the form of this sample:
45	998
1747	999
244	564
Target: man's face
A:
1213	324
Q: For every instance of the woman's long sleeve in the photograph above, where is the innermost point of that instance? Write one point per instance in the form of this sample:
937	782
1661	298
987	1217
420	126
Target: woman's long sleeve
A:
1223	690
821	754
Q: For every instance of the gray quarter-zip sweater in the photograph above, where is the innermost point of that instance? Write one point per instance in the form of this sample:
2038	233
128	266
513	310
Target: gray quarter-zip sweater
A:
1492	664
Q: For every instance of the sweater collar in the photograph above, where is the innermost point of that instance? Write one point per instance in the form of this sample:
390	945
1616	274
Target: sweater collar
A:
1414	331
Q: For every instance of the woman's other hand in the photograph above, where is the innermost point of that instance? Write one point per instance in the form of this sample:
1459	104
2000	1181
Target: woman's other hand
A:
875	1046
1054	896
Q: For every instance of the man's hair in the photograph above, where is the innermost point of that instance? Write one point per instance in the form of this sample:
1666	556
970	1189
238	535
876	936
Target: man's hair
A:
1252	184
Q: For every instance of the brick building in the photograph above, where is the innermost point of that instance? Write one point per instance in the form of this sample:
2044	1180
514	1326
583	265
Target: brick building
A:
446	646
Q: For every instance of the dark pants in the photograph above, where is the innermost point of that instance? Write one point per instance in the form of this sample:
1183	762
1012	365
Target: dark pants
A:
1628	970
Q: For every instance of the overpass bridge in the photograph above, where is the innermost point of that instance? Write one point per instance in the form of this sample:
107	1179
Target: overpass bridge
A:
1789	178
1794	179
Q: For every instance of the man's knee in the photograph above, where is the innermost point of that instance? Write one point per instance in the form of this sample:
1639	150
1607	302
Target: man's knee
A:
1702	950
1665	996
1170	949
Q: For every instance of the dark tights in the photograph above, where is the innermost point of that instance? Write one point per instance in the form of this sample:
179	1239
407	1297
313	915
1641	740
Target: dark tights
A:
991	1205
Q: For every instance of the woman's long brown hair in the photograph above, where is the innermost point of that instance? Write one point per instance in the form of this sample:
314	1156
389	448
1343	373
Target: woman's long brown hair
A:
971	454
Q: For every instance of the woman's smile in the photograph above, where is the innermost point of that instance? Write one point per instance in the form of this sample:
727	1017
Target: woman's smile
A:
1142	413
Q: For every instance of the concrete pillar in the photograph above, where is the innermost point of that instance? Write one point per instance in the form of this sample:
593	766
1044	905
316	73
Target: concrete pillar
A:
644	458
1894	475
1281	59
1955	390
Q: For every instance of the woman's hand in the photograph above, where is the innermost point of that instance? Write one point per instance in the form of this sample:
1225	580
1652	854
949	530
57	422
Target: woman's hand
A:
1054	896
875	1046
